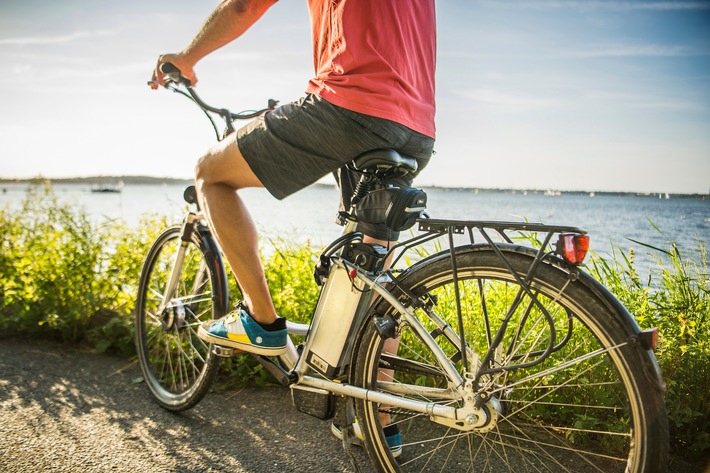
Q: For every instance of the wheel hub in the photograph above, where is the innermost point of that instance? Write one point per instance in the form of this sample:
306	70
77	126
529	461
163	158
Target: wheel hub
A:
480	412
471	418
174	316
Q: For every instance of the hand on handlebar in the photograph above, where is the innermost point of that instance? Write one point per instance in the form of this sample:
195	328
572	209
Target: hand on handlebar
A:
173	70
184	67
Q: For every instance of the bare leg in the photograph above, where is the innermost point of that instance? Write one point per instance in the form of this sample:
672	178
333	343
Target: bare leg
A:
391	344
218	176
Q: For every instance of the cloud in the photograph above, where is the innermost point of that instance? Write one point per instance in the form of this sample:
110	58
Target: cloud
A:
49	40
508	102
643	50
650	102
21	69
590	5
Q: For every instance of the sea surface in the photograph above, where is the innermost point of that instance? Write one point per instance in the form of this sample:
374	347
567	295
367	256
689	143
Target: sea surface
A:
612	220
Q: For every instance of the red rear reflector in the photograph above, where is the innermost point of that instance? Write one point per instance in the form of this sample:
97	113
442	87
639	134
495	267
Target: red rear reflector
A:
573	247
649	338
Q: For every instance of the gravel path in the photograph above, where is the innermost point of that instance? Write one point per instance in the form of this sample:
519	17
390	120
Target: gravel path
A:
67	410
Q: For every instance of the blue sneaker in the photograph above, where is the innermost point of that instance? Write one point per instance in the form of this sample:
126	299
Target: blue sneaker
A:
239	330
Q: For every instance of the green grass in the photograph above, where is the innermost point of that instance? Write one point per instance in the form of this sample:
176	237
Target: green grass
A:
676	299
64	277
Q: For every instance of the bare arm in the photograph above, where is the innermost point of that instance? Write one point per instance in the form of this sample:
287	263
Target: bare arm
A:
226	23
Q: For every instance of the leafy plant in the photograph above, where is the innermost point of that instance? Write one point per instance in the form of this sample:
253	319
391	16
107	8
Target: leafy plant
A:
65	278
289	273
676	299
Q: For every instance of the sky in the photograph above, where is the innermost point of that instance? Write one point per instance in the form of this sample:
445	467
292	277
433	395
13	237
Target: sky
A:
542	94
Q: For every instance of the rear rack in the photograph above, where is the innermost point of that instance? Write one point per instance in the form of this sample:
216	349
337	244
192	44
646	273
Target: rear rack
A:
433	229
459	227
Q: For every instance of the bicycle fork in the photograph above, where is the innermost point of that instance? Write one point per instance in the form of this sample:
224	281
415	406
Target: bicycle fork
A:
185	237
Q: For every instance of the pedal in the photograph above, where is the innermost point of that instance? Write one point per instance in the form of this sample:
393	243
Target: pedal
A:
225	352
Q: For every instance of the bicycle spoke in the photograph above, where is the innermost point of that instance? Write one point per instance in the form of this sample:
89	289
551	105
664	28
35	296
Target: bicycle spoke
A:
550	387
175	361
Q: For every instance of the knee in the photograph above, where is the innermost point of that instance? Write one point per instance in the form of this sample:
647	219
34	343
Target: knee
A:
206	176
224	165
207	172
202	170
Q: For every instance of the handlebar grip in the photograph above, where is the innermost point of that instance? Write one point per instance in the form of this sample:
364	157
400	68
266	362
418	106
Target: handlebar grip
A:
173	72
169	68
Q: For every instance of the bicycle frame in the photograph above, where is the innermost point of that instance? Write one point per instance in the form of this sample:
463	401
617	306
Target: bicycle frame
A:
299	374
294	368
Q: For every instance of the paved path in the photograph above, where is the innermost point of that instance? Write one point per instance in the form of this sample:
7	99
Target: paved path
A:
67	410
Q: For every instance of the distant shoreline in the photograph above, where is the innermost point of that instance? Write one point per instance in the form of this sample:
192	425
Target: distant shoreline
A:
97	180
151	180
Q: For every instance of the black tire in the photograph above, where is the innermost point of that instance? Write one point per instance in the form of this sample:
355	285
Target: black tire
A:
601	414
178	367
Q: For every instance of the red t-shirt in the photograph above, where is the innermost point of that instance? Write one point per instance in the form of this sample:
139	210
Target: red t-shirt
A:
376	57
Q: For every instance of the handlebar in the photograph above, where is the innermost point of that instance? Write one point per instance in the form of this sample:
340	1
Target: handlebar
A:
175	82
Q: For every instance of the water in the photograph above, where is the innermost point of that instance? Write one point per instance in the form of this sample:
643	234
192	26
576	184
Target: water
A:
609	219
309	215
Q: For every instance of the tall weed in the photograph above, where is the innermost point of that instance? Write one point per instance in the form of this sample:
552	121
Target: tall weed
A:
289	273
676	299
65	278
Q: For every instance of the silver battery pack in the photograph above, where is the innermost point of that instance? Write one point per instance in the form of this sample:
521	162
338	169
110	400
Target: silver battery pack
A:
333	320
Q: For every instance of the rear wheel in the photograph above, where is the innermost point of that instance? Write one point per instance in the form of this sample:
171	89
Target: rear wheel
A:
178	367
593	404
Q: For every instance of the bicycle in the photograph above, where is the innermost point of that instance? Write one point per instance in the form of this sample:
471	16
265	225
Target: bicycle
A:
509	357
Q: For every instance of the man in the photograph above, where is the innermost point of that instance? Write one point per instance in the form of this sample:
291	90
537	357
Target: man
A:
373	88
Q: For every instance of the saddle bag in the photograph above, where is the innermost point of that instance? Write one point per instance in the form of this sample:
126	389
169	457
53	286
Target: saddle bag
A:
397	207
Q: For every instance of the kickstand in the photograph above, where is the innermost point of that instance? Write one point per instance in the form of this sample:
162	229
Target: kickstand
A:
348	431
347	447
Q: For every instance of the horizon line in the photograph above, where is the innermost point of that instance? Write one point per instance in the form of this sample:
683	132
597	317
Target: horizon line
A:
156	179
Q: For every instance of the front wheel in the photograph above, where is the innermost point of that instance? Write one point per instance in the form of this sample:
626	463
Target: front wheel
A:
569	387
177	366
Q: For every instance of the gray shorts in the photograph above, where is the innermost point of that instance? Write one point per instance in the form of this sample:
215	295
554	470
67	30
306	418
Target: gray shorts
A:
293	146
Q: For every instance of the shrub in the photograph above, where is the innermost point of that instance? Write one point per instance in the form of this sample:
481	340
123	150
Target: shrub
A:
49	266
676	299
64	278
289	272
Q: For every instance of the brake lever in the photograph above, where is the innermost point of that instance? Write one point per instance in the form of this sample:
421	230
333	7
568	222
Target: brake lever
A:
172	75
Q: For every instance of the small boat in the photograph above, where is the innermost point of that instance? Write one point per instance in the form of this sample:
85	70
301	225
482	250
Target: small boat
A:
108	188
